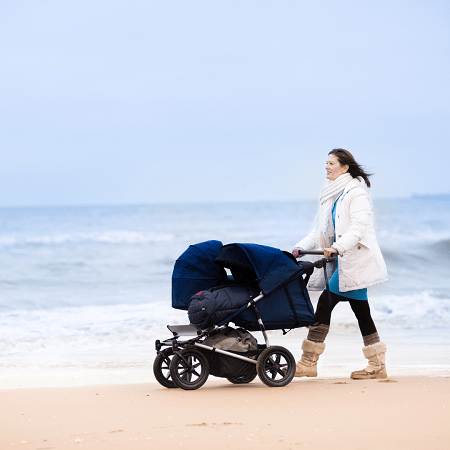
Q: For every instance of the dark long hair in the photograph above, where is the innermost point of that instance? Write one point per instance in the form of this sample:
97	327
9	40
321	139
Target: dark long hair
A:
354	169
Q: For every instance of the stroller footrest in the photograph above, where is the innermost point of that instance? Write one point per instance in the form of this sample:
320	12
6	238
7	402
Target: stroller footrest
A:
184	330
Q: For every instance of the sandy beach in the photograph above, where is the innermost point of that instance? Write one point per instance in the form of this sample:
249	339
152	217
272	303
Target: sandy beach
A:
340	413
76	351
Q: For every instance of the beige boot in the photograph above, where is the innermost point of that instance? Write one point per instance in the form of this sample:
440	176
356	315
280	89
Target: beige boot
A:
307	366
376	354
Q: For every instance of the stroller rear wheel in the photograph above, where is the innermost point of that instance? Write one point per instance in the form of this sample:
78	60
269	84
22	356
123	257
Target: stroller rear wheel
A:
276	366
242	380
161	367
189	369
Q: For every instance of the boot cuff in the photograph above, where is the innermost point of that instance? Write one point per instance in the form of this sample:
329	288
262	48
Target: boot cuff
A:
374	349
313	347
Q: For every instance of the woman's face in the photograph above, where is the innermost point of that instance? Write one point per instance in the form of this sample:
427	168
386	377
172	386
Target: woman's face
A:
334	168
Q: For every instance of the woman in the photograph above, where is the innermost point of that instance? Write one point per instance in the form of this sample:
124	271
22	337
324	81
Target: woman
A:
344	227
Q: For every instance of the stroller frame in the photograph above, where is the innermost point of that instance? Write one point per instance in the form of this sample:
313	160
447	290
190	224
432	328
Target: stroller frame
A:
182	363
187	369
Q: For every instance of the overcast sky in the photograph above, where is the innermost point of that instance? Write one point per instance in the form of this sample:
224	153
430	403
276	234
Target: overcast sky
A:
138	101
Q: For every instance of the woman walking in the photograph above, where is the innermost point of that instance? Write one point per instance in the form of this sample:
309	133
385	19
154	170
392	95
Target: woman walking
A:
344	227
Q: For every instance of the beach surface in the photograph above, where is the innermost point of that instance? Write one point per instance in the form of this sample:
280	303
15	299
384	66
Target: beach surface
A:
318	413
86	292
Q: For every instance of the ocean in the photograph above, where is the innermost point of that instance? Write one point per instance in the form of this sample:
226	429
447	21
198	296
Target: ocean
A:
85	291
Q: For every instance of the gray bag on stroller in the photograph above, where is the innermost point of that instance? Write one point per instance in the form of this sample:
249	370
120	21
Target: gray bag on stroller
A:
233	339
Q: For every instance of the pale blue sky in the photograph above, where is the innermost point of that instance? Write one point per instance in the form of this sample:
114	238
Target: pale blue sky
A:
140	101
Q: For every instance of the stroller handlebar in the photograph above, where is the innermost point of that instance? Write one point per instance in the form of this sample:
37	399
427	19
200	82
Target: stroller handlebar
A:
321	262
310	252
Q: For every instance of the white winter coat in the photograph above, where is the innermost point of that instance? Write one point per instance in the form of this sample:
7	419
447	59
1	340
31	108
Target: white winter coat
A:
360	261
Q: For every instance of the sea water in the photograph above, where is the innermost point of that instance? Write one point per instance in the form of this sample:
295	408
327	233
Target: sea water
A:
86	291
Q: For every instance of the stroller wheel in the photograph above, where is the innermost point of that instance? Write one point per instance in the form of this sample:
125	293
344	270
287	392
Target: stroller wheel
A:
161	367
276	366
189	369
242	380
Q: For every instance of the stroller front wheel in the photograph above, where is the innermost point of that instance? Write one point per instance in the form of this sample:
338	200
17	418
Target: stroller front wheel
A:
276	366
189	369
161	368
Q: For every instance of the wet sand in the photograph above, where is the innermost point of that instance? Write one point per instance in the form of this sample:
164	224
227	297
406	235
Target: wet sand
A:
322	413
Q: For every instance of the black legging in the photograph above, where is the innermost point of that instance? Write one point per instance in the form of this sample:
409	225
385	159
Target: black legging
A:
360	308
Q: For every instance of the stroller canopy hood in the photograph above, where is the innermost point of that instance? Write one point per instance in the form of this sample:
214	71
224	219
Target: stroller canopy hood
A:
194	271
202	266
272	267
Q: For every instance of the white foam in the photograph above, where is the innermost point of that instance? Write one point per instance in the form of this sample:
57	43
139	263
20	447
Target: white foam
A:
68	330
97	328
108	237
132	362
416	310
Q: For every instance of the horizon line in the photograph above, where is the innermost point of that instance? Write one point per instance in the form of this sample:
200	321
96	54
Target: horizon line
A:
208	202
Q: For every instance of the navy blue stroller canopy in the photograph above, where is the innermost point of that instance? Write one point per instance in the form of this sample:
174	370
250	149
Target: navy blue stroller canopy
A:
278	276
286	302
268	266
194	271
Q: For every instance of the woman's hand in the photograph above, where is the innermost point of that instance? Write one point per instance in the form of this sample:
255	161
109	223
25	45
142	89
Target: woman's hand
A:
329	251
296	253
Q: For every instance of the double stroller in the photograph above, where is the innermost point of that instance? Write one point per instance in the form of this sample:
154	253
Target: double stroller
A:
255	287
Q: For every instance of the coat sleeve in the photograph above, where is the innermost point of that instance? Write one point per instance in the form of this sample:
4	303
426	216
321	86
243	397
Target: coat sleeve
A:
360	213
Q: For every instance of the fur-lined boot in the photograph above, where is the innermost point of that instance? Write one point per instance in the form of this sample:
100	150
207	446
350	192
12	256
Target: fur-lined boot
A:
376	354
307	366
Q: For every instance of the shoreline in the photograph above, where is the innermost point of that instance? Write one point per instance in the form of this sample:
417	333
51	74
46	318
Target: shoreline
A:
67	378
409	353
338	413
